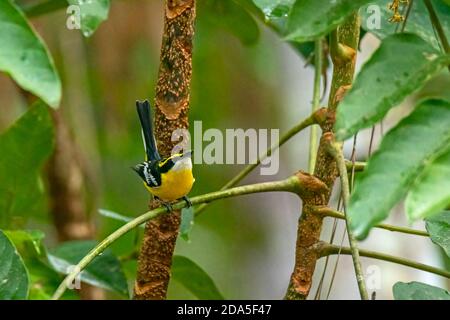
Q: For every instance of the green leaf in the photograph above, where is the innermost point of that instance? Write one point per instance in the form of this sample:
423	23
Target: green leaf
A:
275	12
310	20
402	155
104	271
385	80
27	242
43	279
13	274
24	148
24	56
187	222
418	291
92	14
194	278
439	229
430	193
418	20
230	16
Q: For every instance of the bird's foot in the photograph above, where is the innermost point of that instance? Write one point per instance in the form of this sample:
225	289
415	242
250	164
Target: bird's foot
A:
188	201
167	205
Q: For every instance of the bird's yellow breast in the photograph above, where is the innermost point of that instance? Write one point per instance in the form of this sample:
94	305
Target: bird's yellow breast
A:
174	185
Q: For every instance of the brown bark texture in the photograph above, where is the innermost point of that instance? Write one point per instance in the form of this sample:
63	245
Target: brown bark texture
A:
171	113
310	223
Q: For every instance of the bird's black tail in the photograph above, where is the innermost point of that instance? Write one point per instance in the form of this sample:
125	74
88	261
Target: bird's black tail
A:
143	109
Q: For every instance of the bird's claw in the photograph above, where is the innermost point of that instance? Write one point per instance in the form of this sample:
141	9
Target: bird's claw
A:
167	205
188	201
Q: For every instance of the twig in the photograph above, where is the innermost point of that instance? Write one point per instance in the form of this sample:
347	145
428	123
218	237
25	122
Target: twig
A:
335	150
294	184
328	212
313	140
332	249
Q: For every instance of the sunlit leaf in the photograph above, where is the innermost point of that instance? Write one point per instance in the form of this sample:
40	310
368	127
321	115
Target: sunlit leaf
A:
418	291
104	271
24	148
439	229
194	278
24	56
385	80
13	274
402	155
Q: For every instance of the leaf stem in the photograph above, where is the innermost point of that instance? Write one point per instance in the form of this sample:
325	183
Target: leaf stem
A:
313	140
328	212
332	249
293	184
335	149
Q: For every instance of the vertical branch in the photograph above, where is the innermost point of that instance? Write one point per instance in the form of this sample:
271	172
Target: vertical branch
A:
343	53
65	184
172	105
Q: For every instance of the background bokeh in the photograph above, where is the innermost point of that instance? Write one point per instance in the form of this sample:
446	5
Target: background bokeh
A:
244	76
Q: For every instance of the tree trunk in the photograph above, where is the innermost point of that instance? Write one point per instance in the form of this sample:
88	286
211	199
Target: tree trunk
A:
171	113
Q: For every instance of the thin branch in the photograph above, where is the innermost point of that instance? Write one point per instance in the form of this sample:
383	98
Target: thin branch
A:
315	118
313	140
310	225
438	26
294	184
332	249
357	166
328	212
335	150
